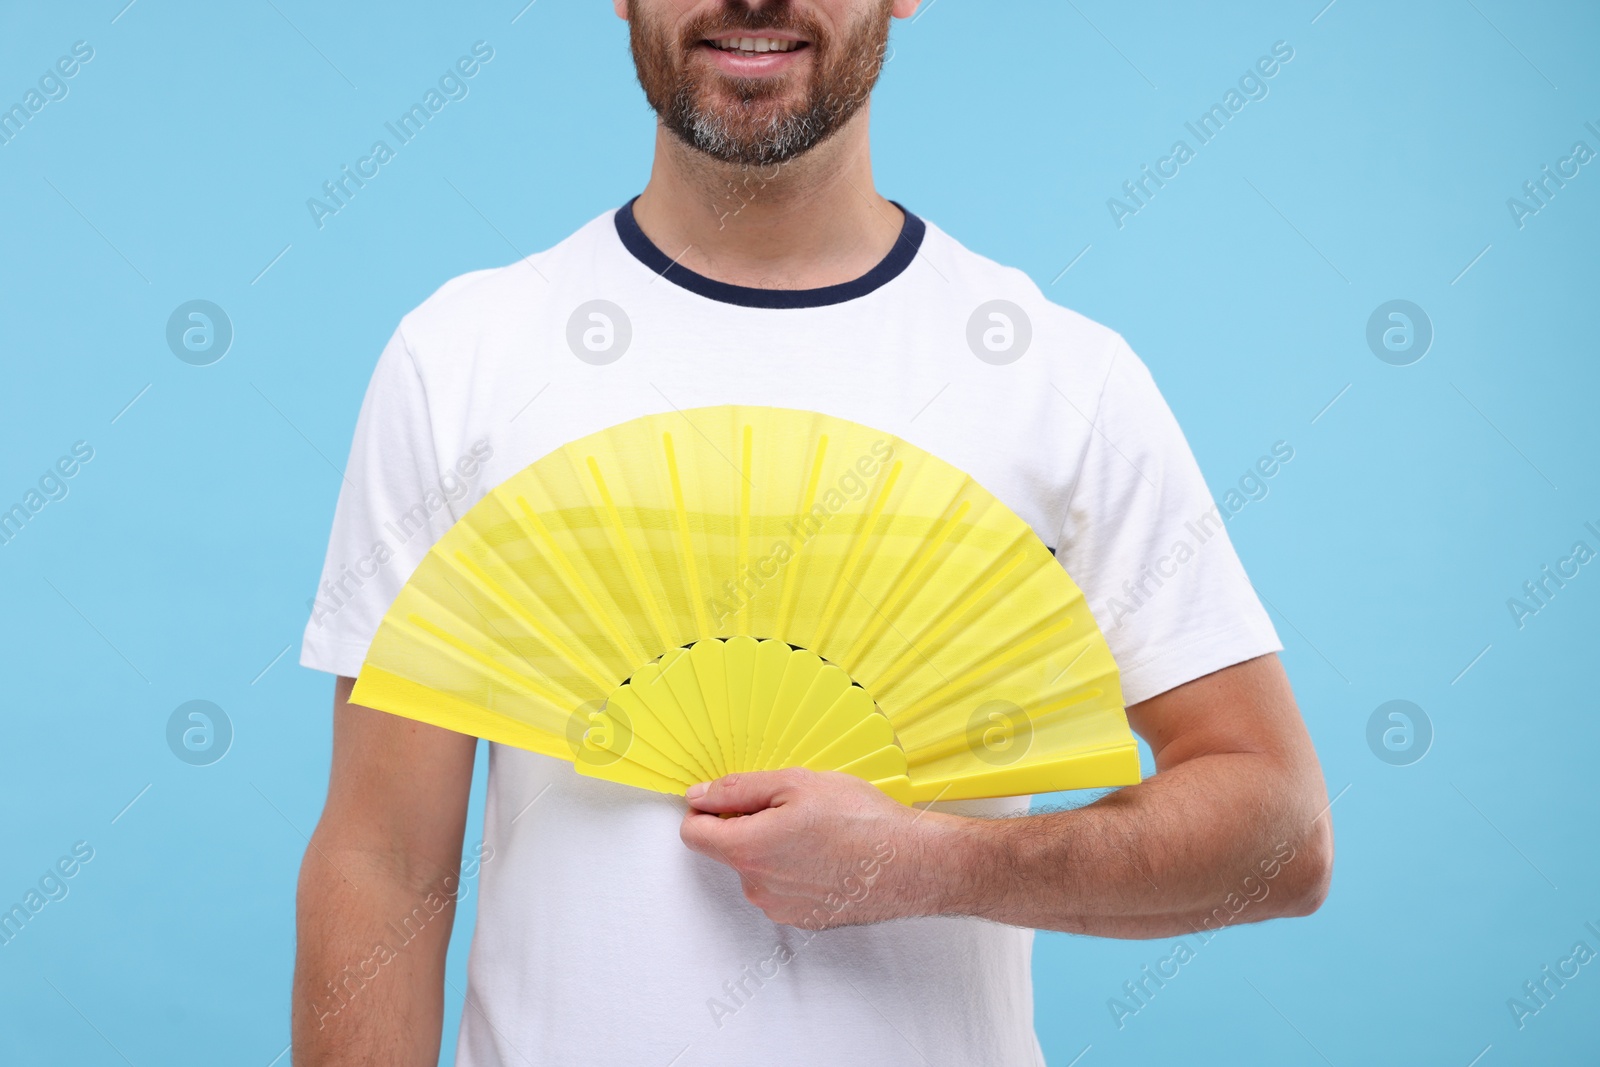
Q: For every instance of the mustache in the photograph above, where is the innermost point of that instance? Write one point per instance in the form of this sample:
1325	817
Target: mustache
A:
738	17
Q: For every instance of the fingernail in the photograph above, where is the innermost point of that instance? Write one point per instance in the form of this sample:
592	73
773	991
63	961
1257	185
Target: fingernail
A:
694	792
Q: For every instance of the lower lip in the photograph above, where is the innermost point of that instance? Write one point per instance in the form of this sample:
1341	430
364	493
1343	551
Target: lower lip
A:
753	66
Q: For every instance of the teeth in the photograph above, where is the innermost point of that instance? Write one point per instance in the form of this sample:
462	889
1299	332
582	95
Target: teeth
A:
754	44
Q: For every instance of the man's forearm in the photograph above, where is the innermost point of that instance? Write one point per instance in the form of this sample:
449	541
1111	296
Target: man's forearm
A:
1196	847
369	967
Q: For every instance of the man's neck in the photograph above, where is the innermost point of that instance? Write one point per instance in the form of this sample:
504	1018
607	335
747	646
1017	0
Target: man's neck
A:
814	221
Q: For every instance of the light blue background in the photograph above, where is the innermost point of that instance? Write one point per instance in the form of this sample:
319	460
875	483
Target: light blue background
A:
1379	166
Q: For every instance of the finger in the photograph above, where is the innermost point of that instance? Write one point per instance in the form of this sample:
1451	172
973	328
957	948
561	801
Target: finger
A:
743	793
712	835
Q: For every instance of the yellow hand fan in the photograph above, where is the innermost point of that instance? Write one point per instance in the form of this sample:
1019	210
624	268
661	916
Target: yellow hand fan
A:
737	588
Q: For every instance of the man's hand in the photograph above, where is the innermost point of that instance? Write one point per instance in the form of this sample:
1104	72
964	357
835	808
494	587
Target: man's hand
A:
816	850
1234	827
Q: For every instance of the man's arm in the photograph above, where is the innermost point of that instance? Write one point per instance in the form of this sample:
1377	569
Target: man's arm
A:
1233	827
377	891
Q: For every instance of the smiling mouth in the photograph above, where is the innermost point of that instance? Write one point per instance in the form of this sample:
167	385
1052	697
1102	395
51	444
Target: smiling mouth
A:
755	46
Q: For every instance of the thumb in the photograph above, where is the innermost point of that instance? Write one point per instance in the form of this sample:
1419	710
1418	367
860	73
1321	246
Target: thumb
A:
739	793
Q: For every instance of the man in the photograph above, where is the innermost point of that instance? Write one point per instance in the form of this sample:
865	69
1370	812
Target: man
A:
616	926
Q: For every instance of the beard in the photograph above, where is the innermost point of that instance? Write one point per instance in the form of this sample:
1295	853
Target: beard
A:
757	121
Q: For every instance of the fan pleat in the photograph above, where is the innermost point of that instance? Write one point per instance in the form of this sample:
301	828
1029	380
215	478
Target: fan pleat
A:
464	653
907	583
603	614
860	546
793	573
957	687
742	564
686	553
520	613
629	557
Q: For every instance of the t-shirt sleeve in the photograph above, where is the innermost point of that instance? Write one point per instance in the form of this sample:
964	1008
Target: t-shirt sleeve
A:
1148	546
393	505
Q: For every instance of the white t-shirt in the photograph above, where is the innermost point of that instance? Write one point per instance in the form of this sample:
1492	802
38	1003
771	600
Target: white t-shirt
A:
601	939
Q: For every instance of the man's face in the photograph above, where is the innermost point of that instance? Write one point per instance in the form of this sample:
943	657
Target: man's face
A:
757	83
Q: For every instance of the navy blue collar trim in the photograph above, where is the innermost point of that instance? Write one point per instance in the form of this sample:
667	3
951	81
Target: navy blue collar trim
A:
890	267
